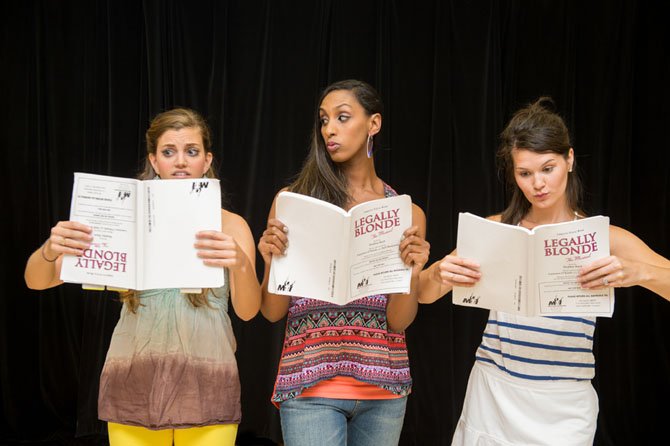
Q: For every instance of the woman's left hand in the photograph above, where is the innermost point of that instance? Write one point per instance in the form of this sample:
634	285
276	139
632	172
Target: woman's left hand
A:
414	249
219	249
610	271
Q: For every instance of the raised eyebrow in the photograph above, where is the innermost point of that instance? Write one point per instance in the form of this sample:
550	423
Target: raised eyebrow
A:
339	106
343	105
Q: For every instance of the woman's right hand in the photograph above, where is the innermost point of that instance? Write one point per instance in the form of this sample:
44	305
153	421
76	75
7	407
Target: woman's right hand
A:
457	271
68	237
274	240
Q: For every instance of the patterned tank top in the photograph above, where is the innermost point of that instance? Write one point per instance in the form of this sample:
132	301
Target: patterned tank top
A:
324	340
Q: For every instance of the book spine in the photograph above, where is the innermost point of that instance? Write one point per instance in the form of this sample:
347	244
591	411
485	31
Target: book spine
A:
531	291
141	223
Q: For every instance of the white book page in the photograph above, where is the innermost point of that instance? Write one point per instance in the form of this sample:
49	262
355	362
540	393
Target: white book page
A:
501	251
174	211
316	258
376	230
108	205
560	250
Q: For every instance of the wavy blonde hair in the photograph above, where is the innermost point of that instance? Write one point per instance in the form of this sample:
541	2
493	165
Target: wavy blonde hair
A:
174	119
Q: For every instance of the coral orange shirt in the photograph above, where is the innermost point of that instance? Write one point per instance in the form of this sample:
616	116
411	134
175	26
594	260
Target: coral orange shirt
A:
347	388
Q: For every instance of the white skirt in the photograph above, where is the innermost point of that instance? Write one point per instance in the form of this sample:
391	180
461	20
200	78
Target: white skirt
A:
500	409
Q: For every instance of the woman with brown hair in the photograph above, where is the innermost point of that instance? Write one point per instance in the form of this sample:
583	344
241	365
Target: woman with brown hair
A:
170	373
531	382
344	372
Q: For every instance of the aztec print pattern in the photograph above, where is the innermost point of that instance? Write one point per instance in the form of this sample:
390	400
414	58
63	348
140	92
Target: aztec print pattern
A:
323	341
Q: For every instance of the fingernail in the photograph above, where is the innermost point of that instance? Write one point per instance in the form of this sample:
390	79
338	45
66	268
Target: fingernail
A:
285	229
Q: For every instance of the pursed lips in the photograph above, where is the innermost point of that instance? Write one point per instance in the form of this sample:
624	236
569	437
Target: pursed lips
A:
332	145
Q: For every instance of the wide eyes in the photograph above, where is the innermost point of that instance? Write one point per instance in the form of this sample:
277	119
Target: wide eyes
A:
190	151
341	117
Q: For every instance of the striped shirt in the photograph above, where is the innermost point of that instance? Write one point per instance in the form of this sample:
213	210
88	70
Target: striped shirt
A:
539	348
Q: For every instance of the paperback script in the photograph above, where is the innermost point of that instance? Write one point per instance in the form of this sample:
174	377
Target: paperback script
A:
534	272
338	256
143	232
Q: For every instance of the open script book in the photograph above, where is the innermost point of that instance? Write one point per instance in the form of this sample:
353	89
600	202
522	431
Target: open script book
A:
143	232
534	272
338	256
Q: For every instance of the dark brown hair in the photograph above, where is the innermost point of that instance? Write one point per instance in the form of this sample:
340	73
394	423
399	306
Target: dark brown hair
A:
538	128
320	177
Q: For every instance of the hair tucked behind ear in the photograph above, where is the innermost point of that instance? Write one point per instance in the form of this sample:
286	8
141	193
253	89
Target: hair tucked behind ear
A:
538	128
320	177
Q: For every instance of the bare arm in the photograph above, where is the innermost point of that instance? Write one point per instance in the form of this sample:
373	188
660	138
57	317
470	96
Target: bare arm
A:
273	242
631	263
233	248
44	265
414	250
441	277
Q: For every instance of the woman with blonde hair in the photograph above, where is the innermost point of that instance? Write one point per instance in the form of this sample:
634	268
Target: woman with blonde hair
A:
170	376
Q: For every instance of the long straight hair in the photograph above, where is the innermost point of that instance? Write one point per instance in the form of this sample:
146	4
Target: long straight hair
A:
538	128
320	177
174	119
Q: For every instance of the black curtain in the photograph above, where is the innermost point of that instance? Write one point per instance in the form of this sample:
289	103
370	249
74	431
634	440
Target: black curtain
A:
80	81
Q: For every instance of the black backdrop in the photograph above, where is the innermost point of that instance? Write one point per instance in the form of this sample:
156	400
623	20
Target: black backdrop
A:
79	82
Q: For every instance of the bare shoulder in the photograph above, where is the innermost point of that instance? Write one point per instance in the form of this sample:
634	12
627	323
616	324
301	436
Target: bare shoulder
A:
625	244
617	231
274	200
232	223
622	237
283	189
496	217
417	212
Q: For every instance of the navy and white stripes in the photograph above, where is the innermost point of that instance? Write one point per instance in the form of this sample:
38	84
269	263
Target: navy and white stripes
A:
539	348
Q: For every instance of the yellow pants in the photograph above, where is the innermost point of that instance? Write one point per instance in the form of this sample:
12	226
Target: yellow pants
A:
216	435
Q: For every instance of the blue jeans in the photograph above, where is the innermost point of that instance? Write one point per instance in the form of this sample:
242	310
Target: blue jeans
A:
333	422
